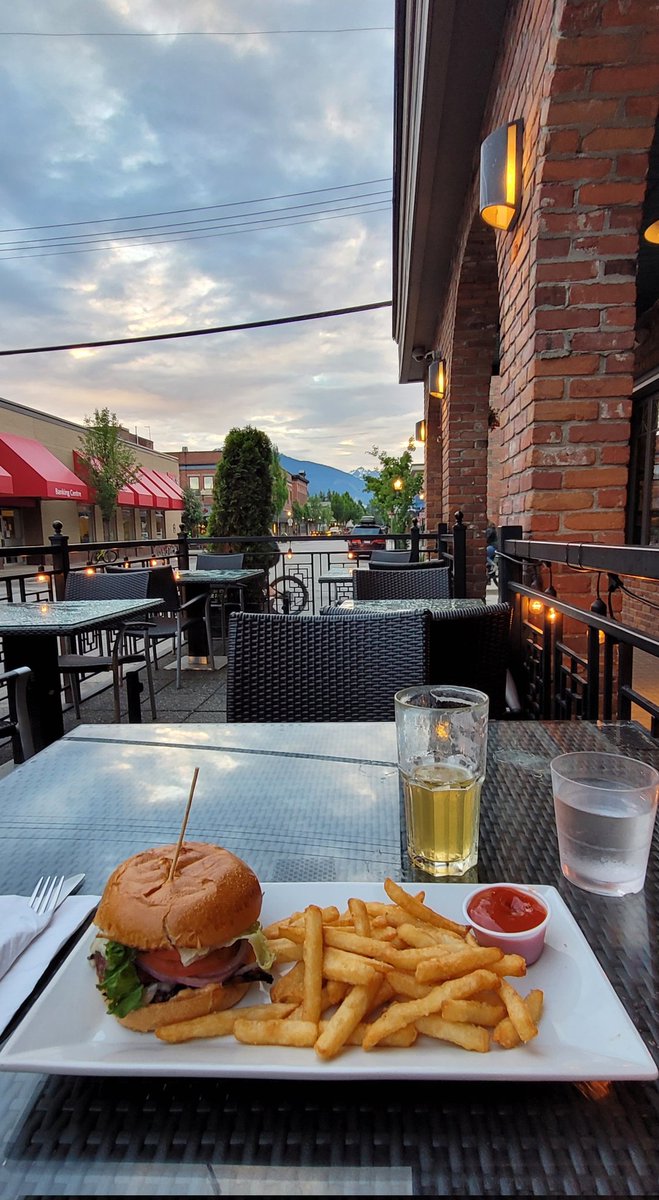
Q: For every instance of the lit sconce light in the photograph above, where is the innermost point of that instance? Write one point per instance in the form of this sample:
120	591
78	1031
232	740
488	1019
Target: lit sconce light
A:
552	614
651	233
501	175
89	570
420	432
536	606
350	554
437	378
289	552
153	562
126	564
601	637
397	484
41	575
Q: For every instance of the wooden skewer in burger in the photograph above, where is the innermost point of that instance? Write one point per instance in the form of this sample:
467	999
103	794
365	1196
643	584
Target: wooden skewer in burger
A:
179	933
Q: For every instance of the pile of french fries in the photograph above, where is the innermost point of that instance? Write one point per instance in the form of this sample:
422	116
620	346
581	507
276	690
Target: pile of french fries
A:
379	974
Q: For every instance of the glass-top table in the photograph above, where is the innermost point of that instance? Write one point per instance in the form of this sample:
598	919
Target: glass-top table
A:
316	804
30	633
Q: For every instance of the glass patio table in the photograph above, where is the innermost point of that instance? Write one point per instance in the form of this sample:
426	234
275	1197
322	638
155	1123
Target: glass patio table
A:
316	808
195	583
30	633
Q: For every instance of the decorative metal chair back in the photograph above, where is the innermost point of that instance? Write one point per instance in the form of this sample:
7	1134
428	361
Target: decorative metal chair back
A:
389	557
220	562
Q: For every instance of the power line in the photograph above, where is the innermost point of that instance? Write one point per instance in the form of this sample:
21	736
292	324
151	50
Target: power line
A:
176	33
148	231
195	237
174	212
165	337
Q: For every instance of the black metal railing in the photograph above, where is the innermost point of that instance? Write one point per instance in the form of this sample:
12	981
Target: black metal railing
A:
585	671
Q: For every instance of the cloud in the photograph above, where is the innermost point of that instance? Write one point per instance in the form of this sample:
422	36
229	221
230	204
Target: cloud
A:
103	129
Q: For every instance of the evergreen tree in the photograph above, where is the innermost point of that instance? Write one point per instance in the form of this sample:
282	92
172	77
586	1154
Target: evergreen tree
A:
242	496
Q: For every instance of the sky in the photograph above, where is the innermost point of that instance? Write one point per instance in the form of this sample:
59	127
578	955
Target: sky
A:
138	172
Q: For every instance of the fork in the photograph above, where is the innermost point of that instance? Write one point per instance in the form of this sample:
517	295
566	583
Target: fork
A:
46	894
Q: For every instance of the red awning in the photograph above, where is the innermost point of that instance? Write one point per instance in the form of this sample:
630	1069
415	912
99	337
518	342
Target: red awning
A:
172	488
6	483
160	497
36	472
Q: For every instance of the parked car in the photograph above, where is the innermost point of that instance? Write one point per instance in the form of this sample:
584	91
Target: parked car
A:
335	529
364	538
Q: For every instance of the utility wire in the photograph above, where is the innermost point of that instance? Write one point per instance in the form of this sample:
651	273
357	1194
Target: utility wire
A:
165	337
195	237
174	212
176	33
148	231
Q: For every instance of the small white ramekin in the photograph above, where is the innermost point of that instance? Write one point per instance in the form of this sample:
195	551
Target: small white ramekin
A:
529	943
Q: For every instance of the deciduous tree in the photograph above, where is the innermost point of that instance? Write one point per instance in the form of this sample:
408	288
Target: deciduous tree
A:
110	461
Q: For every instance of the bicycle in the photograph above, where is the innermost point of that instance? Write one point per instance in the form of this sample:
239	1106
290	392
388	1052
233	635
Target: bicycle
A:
288	594
105	556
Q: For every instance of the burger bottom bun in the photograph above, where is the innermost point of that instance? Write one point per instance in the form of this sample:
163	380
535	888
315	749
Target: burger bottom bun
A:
184	1006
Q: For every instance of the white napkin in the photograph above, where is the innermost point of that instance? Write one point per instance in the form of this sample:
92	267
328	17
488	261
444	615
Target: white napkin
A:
27	946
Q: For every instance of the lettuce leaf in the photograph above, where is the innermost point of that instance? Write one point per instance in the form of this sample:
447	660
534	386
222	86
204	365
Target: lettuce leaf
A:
121	985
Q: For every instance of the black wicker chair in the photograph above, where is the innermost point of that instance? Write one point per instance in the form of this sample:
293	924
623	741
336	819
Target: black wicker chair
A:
430	584
470	647
15	724
389	558
315	668
119	585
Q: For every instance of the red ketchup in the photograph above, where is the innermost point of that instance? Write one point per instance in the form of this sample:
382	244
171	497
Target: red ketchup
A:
506	910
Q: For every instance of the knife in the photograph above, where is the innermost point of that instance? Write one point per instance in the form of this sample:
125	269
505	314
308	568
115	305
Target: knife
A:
70	885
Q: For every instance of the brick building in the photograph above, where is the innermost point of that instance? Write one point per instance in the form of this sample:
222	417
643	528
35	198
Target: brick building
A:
553	322
197	472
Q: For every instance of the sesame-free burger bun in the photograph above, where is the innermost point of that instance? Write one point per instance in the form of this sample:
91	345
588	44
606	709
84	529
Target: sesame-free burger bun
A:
186	1005
213	898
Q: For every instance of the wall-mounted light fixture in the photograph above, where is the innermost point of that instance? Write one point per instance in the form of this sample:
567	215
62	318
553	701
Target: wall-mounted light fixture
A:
420	431
501	175
651	233
437	378
436	371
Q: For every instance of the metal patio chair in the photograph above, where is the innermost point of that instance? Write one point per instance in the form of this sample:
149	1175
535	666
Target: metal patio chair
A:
16	723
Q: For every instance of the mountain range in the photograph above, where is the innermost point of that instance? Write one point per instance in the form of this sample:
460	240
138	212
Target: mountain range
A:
330	479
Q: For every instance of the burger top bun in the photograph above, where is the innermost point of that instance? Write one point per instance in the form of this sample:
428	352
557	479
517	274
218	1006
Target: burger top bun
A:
213	897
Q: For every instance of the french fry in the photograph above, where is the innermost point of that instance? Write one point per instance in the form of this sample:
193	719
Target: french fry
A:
360	917
449	964
399	1014
402	1037
415	934
418	909
405	984
505	1033
346	1018
219	1024
276	1033
284	950
510	964
350	968
312	957
473	1012
289	986
470	1037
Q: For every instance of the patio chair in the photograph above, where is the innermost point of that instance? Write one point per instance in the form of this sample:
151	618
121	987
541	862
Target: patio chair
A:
16	723
177	617
223	599
389	558
430	584
314	668
471	648
124	585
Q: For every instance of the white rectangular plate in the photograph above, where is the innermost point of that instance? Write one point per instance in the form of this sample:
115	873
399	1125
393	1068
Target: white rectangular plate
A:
585	1033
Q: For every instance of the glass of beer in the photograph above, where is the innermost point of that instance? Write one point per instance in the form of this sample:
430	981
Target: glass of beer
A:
442	751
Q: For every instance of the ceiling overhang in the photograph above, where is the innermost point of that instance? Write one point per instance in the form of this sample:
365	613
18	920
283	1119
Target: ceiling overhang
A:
445	56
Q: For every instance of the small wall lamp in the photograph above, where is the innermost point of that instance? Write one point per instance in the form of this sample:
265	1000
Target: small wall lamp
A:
501	175
651	234
420	431
437	378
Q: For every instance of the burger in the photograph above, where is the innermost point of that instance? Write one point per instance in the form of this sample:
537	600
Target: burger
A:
170	950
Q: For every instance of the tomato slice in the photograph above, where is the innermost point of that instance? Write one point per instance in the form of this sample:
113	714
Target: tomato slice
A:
166	963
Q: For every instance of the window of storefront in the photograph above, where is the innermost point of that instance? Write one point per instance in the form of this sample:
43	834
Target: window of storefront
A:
193	482
158	523
126	519
643	491
85	524
144	523
208	483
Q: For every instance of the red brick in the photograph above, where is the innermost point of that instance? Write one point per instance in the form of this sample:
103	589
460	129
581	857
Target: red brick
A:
560	500
613	497
561	269
567	318
641	106
595	477
594	520
599	431
611	193
596	385
573	364
554	296
549	389
618	137
564	456
622	340
628	13
603	292
566	410
580	112
614	454
607	48
621	316
577	168
626	80
563	141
